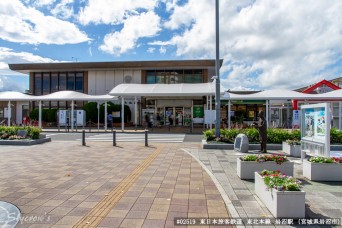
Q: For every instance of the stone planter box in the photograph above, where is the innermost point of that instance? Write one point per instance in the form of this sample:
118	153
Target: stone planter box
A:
292	150
282	204
322	171
246	169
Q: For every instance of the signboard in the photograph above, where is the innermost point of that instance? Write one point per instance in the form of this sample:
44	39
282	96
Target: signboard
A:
296	119
210	116
315	128
198	111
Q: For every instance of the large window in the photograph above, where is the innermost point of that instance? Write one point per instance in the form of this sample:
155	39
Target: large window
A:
71	81
46	83
174	76
79	82
54	82
37	84
62	81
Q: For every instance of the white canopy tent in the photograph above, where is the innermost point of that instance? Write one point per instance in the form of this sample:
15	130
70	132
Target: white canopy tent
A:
282	94
160	90
57	96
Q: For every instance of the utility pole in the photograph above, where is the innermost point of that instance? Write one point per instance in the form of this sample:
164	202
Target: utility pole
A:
217	65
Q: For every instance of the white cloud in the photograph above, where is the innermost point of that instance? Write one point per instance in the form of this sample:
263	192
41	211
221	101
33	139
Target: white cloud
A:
112	12
162	50
23	24
64	9
264	43
10	80
151	50
90	51
135	27
41	3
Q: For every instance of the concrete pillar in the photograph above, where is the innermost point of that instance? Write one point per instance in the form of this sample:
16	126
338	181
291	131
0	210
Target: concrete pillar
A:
136	112
267	120
228	119
340	115
211	108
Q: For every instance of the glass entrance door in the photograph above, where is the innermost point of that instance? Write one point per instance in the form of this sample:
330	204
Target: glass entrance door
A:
179	116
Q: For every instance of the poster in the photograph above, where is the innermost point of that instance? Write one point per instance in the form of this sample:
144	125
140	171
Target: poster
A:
309	123
320	122
296	119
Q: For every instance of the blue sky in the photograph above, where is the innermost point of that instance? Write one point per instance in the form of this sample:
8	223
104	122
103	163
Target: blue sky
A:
264	43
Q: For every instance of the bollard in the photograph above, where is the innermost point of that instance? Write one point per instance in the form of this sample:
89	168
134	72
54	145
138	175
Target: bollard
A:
146	137
114	137
83	138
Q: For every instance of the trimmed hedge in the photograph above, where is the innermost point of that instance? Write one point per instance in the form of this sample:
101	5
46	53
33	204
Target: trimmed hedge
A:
274	135
48	115
32	132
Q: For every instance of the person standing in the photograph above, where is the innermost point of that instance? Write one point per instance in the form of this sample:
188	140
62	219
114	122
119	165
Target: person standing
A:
262	126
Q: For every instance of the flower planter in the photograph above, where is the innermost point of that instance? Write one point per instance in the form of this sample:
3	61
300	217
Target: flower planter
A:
246	169
292	150
282	204
322	171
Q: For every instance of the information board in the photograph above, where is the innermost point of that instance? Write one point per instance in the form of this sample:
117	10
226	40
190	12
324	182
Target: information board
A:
315	129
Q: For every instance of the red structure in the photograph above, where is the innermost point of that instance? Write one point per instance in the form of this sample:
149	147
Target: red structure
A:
313	87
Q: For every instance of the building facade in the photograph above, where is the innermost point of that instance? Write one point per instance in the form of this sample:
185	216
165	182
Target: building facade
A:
98	78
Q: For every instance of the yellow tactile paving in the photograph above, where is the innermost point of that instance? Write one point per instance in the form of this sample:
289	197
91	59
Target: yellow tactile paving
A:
99	212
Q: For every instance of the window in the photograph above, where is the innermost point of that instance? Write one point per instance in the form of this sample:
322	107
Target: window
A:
160	77
71	81
188	76
54	82
62	81
46	83
37	84
150	77
79	82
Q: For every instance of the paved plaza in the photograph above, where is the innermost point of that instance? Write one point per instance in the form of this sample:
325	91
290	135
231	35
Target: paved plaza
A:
64	184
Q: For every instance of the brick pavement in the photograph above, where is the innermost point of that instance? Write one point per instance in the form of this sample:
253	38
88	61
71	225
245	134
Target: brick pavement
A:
57	184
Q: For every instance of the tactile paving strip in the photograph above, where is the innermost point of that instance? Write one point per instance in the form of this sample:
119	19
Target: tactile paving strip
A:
99	212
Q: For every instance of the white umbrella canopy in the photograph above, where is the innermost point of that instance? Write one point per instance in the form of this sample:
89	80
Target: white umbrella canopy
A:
332	95
15	96
274	94
75	96
170	90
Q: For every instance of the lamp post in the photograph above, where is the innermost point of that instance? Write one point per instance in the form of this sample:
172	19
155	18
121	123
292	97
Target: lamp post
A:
217	66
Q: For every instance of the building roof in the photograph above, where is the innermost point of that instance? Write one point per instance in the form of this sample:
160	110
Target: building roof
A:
57	96
153	90
83	66
283	94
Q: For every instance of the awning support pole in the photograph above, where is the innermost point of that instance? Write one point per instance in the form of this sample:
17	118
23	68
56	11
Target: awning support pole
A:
98	116
122	113
72	116
339	115
40	115
105	116
267	120
228	119
9	114
136	112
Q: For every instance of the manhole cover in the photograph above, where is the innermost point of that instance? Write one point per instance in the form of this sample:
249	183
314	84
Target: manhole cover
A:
9	215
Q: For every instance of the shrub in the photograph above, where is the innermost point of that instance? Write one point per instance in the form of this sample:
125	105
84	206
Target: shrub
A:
335	136
48	115
209	135
11	132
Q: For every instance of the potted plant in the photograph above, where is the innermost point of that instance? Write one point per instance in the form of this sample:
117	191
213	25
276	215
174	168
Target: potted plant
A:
323	169
281	194
247	165
292	148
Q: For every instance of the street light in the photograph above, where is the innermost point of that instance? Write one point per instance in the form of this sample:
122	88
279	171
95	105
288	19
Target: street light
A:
217	66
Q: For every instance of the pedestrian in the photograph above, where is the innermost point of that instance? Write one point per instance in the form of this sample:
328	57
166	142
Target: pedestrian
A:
262	126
